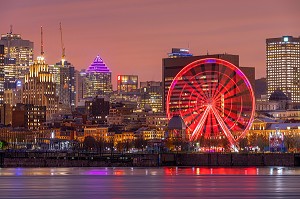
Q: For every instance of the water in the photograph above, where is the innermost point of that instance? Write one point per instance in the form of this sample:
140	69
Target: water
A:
166	182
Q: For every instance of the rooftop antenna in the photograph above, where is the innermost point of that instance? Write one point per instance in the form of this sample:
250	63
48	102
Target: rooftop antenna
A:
8	41
11	29
42	44
63	55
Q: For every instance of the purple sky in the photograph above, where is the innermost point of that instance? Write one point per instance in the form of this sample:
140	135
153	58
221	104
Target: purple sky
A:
132	36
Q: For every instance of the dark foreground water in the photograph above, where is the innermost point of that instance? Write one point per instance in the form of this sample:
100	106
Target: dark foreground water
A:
167	182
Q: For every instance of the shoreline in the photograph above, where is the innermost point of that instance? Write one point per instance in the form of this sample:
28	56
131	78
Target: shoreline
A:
84	159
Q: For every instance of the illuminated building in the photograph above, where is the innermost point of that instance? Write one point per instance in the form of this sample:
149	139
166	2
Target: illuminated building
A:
98	79
157	121
28	116
1	74
80	85
99	133
283	66
127	83
172	65
179	52
151	95
98	109
18	48
65	83
39	88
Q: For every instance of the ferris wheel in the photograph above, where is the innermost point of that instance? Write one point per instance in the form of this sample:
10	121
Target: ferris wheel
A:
214	98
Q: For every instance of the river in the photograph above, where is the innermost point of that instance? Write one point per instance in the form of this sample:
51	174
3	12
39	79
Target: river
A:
165	182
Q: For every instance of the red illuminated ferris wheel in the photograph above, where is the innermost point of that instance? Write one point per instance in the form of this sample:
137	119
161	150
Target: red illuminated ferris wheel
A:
214	98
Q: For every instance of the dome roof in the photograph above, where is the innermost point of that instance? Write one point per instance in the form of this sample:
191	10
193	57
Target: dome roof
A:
278	95
176	122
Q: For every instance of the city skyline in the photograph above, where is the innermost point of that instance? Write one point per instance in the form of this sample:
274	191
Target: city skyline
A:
132	37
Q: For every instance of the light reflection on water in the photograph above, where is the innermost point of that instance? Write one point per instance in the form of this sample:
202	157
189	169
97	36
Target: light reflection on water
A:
150	171
165	182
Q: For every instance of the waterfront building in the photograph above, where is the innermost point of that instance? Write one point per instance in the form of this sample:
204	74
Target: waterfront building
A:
172	65
151	96
283	66
99	133
98	79
152	134
157	121
127	83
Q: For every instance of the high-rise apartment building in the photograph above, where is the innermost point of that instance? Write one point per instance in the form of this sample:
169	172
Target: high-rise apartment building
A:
98	79
283	66
18	48
127	83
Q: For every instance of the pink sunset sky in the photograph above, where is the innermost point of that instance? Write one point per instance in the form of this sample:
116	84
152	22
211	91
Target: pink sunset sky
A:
132	36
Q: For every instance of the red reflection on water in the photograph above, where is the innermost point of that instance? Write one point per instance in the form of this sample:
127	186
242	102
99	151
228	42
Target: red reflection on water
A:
210	171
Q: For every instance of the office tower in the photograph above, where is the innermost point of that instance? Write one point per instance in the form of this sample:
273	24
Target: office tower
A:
80	80
64	77
283	66
10	73
1	74
98	79
151	95
127	83
171	66
39	88
18	48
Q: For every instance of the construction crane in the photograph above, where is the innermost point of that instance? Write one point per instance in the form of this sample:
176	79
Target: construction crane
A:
63	55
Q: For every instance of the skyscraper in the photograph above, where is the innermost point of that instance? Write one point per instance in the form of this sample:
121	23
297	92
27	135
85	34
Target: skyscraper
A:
18	48
39	88
283	66
98	79
64	73
1	74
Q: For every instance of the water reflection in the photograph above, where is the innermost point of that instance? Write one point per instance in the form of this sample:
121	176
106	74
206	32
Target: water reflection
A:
117	171
165	182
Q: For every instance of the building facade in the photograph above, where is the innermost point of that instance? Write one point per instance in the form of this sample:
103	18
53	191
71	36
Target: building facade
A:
151	96
18	48
98	79
283	66
66	85
172	65
39	88
127	83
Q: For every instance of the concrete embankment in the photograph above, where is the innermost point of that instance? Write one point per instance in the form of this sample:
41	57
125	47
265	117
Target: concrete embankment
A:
55	159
